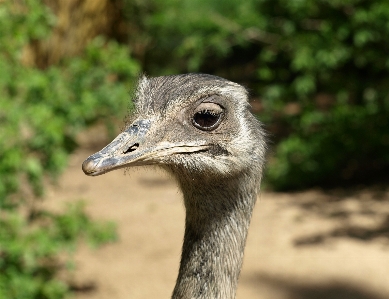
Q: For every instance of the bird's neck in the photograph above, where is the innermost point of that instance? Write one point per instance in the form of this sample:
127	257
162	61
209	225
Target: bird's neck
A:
217	221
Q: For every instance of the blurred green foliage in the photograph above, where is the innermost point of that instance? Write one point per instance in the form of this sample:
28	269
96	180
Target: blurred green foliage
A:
319	68
41	111
30	247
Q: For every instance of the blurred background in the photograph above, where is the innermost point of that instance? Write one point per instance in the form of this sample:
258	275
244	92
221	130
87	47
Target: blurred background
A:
318	76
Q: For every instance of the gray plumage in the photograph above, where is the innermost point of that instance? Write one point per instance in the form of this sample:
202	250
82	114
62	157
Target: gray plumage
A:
199	128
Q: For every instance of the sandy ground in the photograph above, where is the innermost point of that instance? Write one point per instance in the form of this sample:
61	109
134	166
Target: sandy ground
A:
307	245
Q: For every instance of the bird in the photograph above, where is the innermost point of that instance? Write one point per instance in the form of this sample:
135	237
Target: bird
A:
200	129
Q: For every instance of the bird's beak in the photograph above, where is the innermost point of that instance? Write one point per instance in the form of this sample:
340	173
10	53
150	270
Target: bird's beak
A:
134	147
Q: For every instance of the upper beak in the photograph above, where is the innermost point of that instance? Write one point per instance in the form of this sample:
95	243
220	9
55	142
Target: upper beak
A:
133	147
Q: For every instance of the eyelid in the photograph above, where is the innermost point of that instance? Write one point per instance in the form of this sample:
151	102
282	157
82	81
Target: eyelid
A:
209	106
215	99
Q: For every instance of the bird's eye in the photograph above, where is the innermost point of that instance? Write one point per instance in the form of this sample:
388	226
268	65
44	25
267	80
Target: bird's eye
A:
207	116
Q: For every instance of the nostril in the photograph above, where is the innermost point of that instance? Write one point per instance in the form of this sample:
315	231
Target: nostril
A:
131	148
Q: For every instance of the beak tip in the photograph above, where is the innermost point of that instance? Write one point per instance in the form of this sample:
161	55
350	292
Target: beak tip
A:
89	166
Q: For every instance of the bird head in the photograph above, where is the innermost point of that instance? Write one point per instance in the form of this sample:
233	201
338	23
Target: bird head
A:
193	125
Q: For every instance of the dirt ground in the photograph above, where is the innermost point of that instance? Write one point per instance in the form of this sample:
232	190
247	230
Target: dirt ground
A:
307	245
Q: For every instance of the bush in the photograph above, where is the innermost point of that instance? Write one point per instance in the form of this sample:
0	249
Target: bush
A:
320	69
41	112
30	247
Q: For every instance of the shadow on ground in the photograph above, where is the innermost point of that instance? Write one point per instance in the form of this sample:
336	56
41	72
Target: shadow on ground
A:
361	214
356	232
87	287
300	290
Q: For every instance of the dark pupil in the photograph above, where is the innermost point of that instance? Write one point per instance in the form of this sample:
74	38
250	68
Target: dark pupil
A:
206	119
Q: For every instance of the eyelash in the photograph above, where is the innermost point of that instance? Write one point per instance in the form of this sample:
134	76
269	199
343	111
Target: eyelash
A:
207	120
